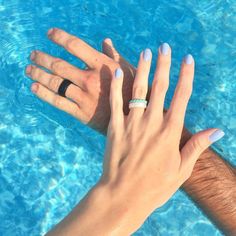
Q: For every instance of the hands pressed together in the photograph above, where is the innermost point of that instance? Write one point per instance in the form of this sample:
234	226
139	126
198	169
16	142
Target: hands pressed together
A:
143	164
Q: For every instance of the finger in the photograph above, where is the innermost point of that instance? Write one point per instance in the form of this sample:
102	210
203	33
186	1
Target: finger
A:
57	101
161	81
182	94
195	146
116	100
59	67
140	85
116	124
109	50
53	82
75	46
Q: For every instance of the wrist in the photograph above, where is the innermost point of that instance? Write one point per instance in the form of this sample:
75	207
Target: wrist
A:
98	213
117	209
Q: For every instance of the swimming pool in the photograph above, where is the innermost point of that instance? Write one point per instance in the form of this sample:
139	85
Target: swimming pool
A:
48	160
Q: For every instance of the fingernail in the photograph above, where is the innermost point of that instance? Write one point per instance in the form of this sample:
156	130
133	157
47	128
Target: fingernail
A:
147	54
32	56
108	40
188	59
28	69
118	73
218	134
50	32
34	87
165	49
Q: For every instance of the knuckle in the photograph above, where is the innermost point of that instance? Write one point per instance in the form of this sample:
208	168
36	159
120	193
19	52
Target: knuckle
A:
54	83
39	57
184	91
161	84
37	73
57	65
183	94
164	64
71	43
196	144
57	101
139	91
34	72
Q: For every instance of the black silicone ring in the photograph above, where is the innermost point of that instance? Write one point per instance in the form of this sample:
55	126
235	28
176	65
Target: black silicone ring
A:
63	87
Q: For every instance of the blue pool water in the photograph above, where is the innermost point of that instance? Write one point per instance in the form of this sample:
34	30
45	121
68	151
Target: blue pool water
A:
48	160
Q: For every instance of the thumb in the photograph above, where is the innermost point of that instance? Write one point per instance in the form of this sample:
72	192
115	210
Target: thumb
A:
196	145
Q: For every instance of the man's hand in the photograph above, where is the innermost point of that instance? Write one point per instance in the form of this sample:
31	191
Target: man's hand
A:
88	98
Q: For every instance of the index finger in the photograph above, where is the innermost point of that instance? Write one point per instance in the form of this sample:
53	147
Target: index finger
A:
75	46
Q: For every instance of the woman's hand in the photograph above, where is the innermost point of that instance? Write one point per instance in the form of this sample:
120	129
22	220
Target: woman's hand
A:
143	164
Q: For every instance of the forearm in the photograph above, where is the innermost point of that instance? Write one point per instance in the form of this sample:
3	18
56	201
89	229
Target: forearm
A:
98	213
212	186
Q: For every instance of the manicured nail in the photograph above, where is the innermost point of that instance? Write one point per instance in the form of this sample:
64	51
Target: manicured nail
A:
147	54
32	56
218	134
28	69
34	87
50	32
165	49
188	59
118	73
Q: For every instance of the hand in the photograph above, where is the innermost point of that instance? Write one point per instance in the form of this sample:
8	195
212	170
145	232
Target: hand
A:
143	164
88	98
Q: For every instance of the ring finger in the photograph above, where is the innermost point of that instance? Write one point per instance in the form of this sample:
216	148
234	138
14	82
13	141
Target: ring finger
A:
140	85
53	82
